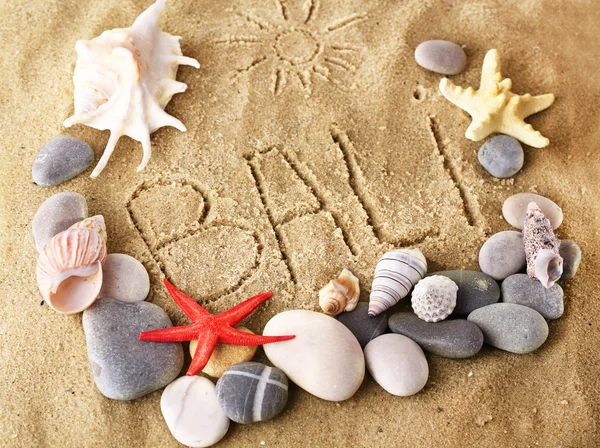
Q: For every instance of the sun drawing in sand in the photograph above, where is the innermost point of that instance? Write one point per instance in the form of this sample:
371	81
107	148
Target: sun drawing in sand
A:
298	50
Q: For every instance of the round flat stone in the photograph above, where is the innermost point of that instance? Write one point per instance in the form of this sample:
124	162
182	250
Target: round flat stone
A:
252	392
124	278
522	290
60	159
503	254
511	327
502	156
441	56
475	289
324	358
124	367
57	213
225	355
362	326
514	209
192	412
571	255
397	364
455	338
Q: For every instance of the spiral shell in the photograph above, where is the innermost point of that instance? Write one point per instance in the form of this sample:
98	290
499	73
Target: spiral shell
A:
340	294
395	275
95	223
69	269
541	247
434	298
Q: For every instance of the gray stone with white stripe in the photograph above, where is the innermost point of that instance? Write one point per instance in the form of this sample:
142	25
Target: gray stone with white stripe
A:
252	392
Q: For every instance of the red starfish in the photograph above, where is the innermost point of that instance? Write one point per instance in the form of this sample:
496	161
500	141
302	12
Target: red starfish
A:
210	329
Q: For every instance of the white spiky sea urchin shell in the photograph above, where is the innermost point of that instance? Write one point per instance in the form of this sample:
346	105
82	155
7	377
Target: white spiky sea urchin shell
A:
434	298
123	80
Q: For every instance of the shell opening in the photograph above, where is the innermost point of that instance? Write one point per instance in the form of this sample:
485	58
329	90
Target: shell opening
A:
76	289
548	267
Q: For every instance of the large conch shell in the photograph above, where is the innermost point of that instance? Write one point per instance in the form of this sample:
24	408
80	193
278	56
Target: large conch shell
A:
395	275
69	269
541	247
95	223
123	80
340	294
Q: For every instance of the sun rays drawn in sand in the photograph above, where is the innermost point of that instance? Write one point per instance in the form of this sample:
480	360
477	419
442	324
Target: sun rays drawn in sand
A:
298	50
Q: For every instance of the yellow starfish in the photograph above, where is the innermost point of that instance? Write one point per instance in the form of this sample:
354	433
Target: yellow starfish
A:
494	108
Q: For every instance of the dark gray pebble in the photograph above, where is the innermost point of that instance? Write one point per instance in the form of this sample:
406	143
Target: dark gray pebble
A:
452	338
511	327
475	289
571	255
521	289
252	392
502	156
362	326
124	367
60	159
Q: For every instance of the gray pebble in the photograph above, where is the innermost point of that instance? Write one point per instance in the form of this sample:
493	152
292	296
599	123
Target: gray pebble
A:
503	254
124	278
501	156
571	255
60	159
252	392
475	289
453	338
441	56
57	213
521	289
511	327
362	326
124	367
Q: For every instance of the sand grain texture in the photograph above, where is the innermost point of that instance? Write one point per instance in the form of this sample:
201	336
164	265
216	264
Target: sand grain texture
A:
314	142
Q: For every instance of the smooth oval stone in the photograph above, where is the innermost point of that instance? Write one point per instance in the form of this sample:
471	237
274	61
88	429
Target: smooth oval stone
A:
362	326
124	367
502	156
511	327
522	290
455	338
124	278
503	254
57	213
60	159
397	364
192	412
324	358
441	56
475	289
225	355
571	255
514	209
252	392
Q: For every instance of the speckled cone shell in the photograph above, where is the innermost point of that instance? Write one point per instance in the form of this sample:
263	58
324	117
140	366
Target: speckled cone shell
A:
341	294
395	275
123	80
541	247
69	269
434	298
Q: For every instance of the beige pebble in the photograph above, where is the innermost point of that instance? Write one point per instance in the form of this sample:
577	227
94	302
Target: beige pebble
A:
225	355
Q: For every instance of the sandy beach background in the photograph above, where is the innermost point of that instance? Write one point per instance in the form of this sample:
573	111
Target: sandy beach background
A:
314	142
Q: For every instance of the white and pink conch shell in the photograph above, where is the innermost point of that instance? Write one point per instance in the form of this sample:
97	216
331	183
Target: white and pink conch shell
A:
541	247
69	269
340	294
395	275
95	223
123	80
